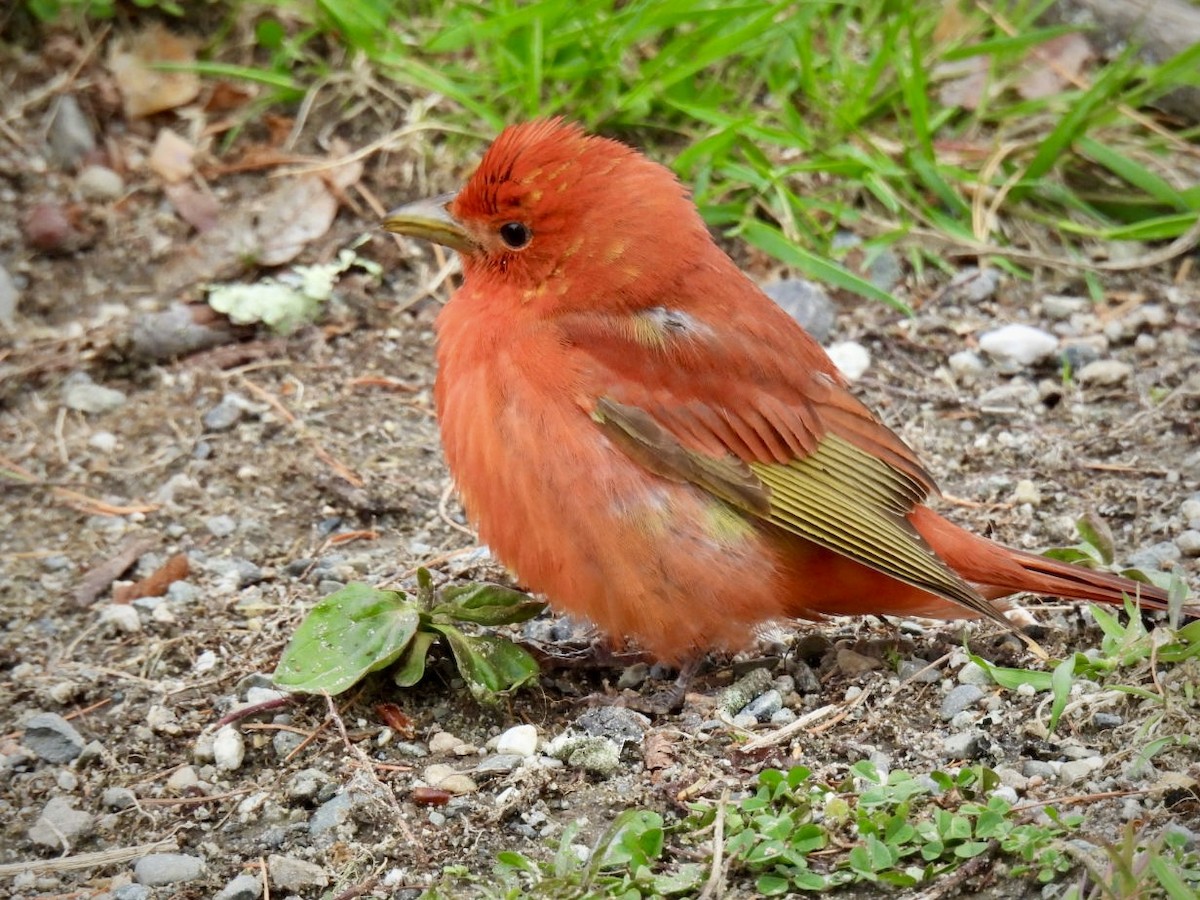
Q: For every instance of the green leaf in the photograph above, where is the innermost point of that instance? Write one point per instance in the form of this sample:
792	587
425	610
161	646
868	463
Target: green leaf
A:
771	240
357	630
1096	533
1060	684
1013	678
489	664
486	604
412	663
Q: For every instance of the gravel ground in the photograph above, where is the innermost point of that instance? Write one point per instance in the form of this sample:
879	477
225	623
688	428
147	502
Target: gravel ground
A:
263	473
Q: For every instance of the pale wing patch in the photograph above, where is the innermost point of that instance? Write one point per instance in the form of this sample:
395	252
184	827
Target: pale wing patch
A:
659	327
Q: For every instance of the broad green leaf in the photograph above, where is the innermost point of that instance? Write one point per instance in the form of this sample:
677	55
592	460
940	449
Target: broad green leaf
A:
1096	533
412	663
357	630
486	604
489	664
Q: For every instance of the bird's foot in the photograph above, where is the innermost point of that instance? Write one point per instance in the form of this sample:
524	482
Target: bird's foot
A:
660	703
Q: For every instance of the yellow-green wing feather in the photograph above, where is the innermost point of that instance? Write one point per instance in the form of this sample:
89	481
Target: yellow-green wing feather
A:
839	497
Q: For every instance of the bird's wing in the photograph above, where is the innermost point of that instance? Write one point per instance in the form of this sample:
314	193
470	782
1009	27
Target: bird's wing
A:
755	414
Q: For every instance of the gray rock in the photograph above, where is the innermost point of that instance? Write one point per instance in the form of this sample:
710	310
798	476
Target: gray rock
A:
807	681
70	137
973	673
167	868
1079	356
100	183
1077	770
1104	373
966	365
307	784
974	285
242	887
909	669
963	745
499	764
1188	543
617	723
1107	720
174	332
52	738
220	526
223	416
291	874
765	705
805	302
118	798
1009	399
783	716
9	297
132	892
1036	768
334	812
60	824
1156	557
960	700
885	271
82	394
1017	346
1059	306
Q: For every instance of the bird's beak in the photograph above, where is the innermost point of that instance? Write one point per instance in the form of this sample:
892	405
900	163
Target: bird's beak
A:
430	219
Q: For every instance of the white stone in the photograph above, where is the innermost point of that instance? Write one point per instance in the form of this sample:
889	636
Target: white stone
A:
1026	492
229	749
520	739
1022	345
121	616
851	358
1104	372
967	365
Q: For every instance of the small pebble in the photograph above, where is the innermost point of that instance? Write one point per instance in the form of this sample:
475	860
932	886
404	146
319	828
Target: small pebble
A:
973	673
1104	373
60	825
220	526
290	874
1058	306
499	764
52	738
765	705
84	395
1077	770
444	742
241	887
1026	492
229	749
1188	543
806	302
167	868
967	366
1160	556
122	616
100	183
70	136
974	285
103	441
851	358
961	699
1017	346
183	779
520	740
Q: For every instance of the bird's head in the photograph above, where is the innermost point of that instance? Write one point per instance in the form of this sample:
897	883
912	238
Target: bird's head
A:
563	218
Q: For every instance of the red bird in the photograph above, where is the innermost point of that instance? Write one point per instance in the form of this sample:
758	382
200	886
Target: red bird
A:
641	435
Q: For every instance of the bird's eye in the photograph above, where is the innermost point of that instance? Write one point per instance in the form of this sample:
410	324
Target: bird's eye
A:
515	234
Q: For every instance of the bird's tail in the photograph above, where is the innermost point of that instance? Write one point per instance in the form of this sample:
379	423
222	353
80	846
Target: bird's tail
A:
998	571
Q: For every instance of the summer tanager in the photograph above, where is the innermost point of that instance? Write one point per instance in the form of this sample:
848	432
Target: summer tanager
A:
641	435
